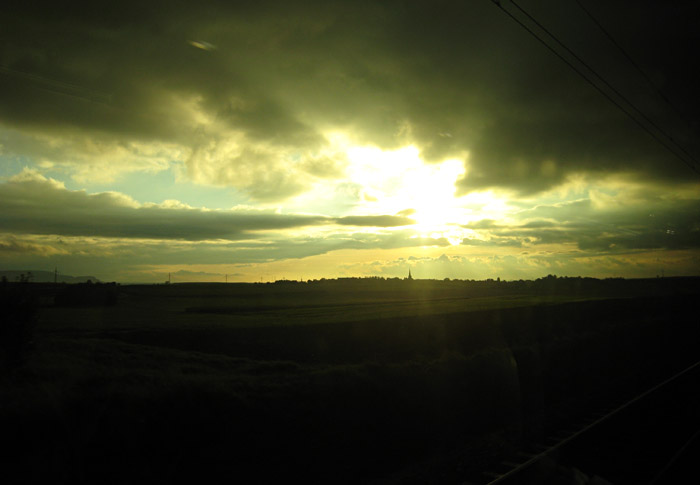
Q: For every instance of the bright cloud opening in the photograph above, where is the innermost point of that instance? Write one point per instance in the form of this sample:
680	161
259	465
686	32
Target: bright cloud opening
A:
398	181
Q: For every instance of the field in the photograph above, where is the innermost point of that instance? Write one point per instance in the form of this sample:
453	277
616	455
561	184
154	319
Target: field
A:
341	381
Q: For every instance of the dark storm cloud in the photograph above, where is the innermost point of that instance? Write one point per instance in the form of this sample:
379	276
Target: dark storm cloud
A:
32	209
558	124
32	204
451	77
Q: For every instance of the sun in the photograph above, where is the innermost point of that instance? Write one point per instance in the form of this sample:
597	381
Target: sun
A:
400	182
431	191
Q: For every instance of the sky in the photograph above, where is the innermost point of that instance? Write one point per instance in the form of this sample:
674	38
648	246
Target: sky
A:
258	141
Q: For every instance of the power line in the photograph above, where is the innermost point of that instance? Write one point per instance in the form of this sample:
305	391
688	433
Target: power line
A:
594	85
648	80
604	81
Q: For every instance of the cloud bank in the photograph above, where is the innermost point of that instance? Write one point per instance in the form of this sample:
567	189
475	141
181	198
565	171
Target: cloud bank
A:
82	88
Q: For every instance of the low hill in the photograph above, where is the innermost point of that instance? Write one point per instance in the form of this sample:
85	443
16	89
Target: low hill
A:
45	277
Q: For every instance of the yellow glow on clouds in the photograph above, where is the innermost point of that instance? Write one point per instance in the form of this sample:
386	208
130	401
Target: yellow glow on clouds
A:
399	182
373	181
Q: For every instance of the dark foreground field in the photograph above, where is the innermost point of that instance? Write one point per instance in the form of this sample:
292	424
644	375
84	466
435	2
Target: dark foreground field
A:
333	382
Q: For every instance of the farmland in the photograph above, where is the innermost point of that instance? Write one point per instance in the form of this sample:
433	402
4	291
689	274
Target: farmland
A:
384	381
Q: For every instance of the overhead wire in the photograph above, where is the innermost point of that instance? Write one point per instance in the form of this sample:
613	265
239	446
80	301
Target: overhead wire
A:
605	82
594	85
634	64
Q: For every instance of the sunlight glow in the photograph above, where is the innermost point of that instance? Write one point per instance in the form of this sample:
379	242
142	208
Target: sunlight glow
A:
399	181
